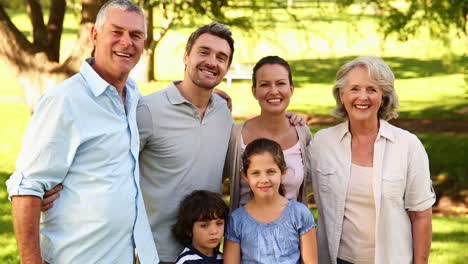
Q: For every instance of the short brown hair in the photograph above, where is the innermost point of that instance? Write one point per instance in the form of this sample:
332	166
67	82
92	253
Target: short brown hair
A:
215	29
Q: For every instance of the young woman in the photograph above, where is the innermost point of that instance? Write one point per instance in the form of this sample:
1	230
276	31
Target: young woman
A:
273	87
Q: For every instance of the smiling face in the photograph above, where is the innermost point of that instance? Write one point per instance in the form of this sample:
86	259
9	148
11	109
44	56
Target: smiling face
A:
206	235
119	44
272	88
208	61
263	176
361	97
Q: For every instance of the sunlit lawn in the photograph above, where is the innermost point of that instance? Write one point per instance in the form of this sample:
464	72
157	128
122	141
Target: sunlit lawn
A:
13	120
449	240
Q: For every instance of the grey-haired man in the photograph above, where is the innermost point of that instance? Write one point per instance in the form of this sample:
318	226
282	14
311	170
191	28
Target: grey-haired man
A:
83	135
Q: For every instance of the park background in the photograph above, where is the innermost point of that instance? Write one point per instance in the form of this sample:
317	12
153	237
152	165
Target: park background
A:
422	41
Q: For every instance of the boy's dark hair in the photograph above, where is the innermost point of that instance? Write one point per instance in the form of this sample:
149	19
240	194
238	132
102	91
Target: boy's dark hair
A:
264	145
271	60
200	205
216	29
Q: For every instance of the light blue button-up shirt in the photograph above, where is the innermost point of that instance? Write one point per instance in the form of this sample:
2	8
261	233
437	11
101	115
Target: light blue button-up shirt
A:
83	136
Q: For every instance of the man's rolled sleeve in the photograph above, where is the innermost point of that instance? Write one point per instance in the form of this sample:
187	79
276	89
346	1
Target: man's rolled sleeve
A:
419	193
48	149
18	185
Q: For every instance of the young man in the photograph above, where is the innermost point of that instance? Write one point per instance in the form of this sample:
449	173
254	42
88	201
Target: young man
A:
83	134
184	134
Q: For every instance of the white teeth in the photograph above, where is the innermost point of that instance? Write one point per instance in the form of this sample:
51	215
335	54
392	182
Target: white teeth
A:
208	72
123	54
274	100
362	106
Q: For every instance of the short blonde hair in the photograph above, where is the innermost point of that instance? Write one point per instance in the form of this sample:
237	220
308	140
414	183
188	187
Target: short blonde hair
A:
381	74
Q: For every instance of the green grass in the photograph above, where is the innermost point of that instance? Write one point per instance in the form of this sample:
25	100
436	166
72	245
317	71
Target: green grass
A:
13	121
447	160
449	240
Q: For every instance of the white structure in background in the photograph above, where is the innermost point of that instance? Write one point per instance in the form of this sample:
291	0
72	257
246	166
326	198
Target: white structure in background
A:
239	72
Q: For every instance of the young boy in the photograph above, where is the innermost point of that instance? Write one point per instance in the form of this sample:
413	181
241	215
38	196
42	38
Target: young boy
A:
200	227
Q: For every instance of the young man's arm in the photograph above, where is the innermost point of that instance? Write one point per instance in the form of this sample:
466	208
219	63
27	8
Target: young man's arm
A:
26	216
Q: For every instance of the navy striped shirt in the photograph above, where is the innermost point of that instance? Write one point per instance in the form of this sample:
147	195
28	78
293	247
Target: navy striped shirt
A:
190	255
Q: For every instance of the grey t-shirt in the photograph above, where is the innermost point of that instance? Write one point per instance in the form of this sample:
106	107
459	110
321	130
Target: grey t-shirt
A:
179	153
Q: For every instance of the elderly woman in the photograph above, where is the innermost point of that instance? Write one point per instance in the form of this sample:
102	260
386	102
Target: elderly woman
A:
272	86
371	179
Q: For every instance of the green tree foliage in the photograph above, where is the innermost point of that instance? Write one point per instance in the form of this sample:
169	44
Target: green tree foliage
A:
38	62
173	12
406	18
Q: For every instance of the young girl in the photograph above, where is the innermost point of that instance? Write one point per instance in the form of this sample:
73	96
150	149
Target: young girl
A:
200	227
269	228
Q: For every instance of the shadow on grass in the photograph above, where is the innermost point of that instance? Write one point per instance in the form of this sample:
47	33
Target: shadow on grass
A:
455	109
324	70
6	226
449	170
458	236
8	249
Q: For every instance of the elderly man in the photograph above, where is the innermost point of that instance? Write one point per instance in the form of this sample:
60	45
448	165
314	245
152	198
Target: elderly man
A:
83	134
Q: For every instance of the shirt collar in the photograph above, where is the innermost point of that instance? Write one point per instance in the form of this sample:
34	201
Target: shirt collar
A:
175	97
343	130
384	130
96	83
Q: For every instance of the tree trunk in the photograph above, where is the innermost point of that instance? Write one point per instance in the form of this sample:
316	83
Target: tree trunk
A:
35	63
54	28
149	56
142	71
147	64
145	69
